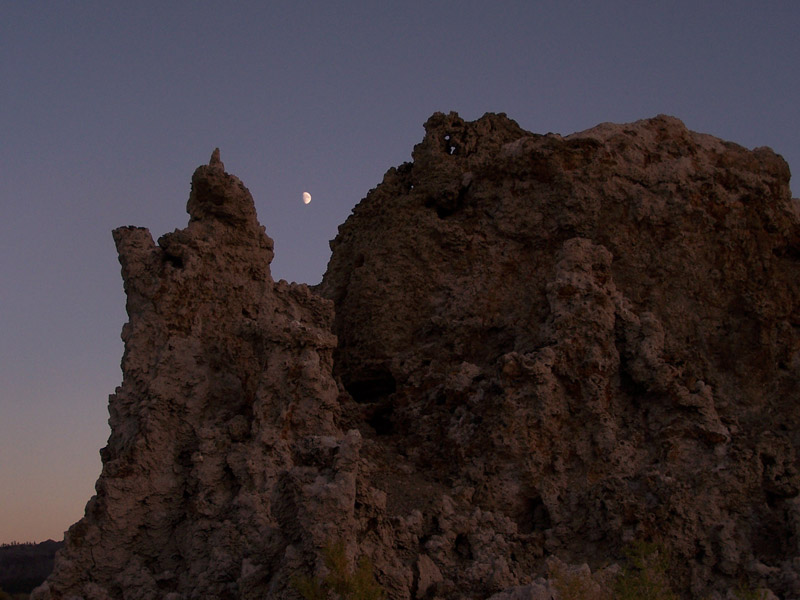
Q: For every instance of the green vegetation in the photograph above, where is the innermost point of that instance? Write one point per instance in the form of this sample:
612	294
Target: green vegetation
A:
578	585
744	592
358	584
645	577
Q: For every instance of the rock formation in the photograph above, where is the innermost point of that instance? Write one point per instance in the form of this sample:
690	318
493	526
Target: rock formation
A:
225	467
549	348
594	338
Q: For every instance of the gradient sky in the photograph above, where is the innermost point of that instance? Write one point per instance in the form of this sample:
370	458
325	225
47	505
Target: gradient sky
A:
107	107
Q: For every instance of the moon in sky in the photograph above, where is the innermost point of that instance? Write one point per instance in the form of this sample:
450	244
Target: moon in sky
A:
306	197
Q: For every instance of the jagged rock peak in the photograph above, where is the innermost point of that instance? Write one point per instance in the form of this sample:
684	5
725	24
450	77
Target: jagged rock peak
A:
215	160
218	195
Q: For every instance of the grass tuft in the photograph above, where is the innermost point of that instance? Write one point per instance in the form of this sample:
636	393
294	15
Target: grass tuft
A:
645	577
358	584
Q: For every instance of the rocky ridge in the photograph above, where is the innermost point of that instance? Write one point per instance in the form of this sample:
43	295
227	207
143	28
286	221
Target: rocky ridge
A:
528	352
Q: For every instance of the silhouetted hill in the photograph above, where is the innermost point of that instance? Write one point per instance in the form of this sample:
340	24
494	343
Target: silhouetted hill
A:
24	566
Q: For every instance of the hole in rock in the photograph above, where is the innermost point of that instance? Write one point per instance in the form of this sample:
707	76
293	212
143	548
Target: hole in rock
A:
451	147
381	419
371	385
789	251
534	516
175	261
449	204
463	547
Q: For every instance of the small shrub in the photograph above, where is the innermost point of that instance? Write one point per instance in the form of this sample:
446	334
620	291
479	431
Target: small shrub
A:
744	592
309	588
578	585
645	577
359	584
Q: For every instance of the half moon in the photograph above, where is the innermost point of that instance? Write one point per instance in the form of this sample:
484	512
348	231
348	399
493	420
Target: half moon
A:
306	197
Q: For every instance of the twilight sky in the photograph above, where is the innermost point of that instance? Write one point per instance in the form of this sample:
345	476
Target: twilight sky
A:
107	107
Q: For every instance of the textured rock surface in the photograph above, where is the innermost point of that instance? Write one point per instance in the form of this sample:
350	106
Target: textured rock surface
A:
224	461
547	348
580	342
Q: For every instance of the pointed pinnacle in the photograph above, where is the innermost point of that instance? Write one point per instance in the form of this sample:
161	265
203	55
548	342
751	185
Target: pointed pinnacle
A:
215	160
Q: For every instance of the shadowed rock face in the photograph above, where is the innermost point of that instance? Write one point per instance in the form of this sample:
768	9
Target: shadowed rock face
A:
594	337
548	347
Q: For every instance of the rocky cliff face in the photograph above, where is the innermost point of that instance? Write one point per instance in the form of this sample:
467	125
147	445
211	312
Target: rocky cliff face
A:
548	348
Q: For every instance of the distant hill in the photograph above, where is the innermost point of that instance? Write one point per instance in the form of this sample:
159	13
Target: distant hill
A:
24	566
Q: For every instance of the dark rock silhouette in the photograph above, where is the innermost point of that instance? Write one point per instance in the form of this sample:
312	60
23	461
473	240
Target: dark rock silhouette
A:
25	566
548	348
